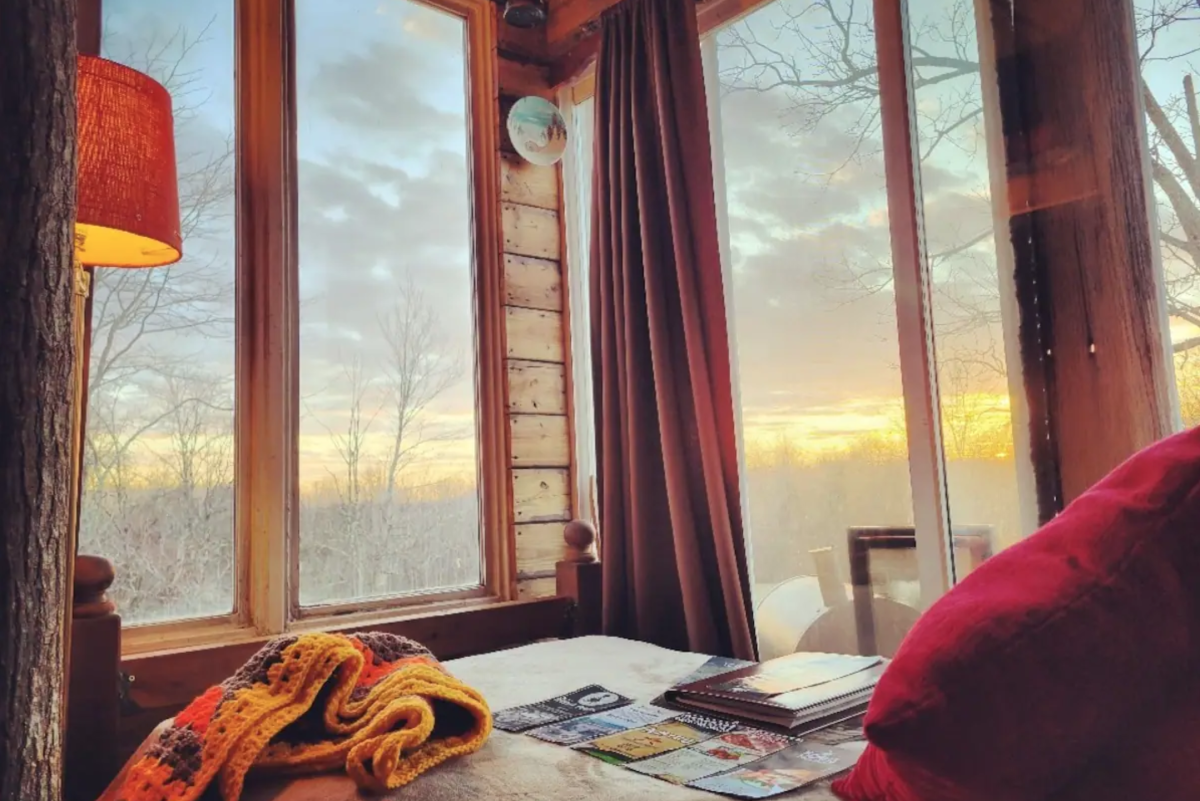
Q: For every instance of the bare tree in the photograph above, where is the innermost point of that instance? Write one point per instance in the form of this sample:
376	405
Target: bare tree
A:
419	367
820	55
827	69
135	310
158	445
386	530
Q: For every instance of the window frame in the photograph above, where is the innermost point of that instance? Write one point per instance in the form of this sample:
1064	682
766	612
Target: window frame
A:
926	455
267	347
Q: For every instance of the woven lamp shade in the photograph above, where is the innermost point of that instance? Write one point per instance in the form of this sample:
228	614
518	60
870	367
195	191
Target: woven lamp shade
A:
128	198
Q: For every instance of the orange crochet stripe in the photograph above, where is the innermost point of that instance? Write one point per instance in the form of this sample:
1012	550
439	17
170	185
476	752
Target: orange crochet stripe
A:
363	703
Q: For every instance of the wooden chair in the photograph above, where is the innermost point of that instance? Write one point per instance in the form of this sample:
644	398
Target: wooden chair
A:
973	542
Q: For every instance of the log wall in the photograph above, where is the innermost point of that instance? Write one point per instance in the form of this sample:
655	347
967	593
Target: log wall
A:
535	298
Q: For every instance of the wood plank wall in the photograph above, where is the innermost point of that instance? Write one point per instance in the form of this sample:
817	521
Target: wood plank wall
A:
535	311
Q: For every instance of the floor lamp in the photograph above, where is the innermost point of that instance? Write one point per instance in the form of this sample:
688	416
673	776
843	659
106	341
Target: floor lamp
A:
128	218
127	190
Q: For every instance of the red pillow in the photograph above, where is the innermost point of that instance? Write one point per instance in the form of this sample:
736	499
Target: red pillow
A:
1156	758
1014	679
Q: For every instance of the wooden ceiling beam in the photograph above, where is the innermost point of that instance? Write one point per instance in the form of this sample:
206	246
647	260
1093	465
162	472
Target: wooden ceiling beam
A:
569	20
573	30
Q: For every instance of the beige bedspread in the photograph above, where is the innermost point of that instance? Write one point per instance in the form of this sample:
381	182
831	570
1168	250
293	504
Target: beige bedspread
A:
520	768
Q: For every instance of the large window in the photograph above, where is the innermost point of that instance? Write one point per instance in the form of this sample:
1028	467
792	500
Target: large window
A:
159	452
388	501
1170	62
286	423
879	394
813	315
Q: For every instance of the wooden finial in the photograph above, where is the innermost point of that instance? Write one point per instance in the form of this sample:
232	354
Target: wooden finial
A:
93	576
580	536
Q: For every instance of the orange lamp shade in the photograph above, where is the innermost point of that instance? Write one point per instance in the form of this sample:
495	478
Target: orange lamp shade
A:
128	198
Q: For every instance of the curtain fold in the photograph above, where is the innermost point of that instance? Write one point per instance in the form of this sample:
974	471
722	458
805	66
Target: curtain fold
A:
674	555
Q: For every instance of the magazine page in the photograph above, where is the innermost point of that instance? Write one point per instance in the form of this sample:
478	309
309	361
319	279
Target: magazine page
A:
862	682
715	666
789	673
584	701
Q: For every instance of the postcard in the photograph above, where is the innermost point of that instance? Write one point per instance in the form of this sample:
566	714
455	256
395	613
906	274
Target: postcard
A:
585	701
645	742
576	730
636	715
755	741
591	727
686	764
794	767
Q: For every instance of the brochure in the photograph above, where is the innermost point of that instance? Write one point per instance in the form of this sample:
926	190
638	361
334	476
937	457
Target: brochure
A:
585	701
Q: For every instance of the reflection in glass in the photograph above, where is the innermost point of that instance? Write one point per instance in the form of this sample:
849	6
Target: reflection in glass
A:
972	362
158	452
813	318
388	501
1170	71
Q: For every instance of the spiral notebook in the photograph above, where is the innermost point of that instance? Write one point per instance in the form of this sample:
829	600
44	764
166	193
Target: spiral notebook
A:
787	692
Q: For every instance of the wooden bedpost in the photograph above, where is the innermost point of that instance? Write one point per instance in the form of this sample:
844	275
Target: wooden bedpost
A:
93	710
578	577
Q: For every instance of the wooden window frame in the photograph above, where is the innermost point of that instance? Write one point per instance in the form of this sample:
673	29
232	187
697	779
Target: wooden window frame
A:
912	279
267	588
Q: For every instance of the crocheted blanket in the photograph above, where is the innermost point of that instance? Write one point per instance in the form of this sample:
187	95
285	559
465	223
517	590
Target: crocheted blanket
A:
377	705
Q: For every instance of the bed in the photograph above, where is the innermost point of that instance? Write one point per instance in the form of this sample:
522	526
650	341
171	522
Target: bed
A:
513	767
518	767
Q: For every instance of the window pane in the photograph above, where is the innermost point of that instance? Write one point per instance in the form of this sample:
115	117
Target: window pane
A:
1171	70
158	487
577	193
388	500
814	322
982	468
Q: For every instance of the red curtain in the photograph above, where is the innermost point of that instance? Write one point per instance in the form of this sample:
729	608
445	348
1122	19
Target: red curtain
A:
674	556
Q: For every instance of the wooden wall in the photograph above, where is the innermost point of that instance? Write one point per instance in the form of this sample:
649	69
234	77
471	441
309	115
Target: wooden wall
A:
539	413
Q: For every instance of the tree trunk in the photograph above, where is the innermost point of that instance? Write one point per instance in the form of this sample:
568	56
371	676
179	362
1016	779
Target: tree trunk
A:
37	210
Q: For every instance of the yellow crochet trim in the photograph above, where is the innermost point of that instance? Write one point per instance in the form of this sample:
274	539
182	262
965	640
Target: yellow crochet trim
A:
384	739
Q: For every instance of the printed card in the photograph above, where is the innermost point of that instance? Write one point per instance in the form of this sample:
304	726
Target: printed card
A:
591	727
645	742
584	701
800	765
576	730
721	753
754	741
631	717
682	766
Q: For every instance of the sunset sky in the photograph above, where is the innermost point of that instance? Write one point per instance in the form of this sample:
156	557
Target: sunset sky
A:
384	195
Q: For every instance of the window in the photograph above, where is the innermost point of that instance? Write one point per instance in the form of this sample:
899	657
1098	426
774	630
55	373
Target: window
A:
1167	49
868	453
388	495
293	422
989	490
159	451
579	108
